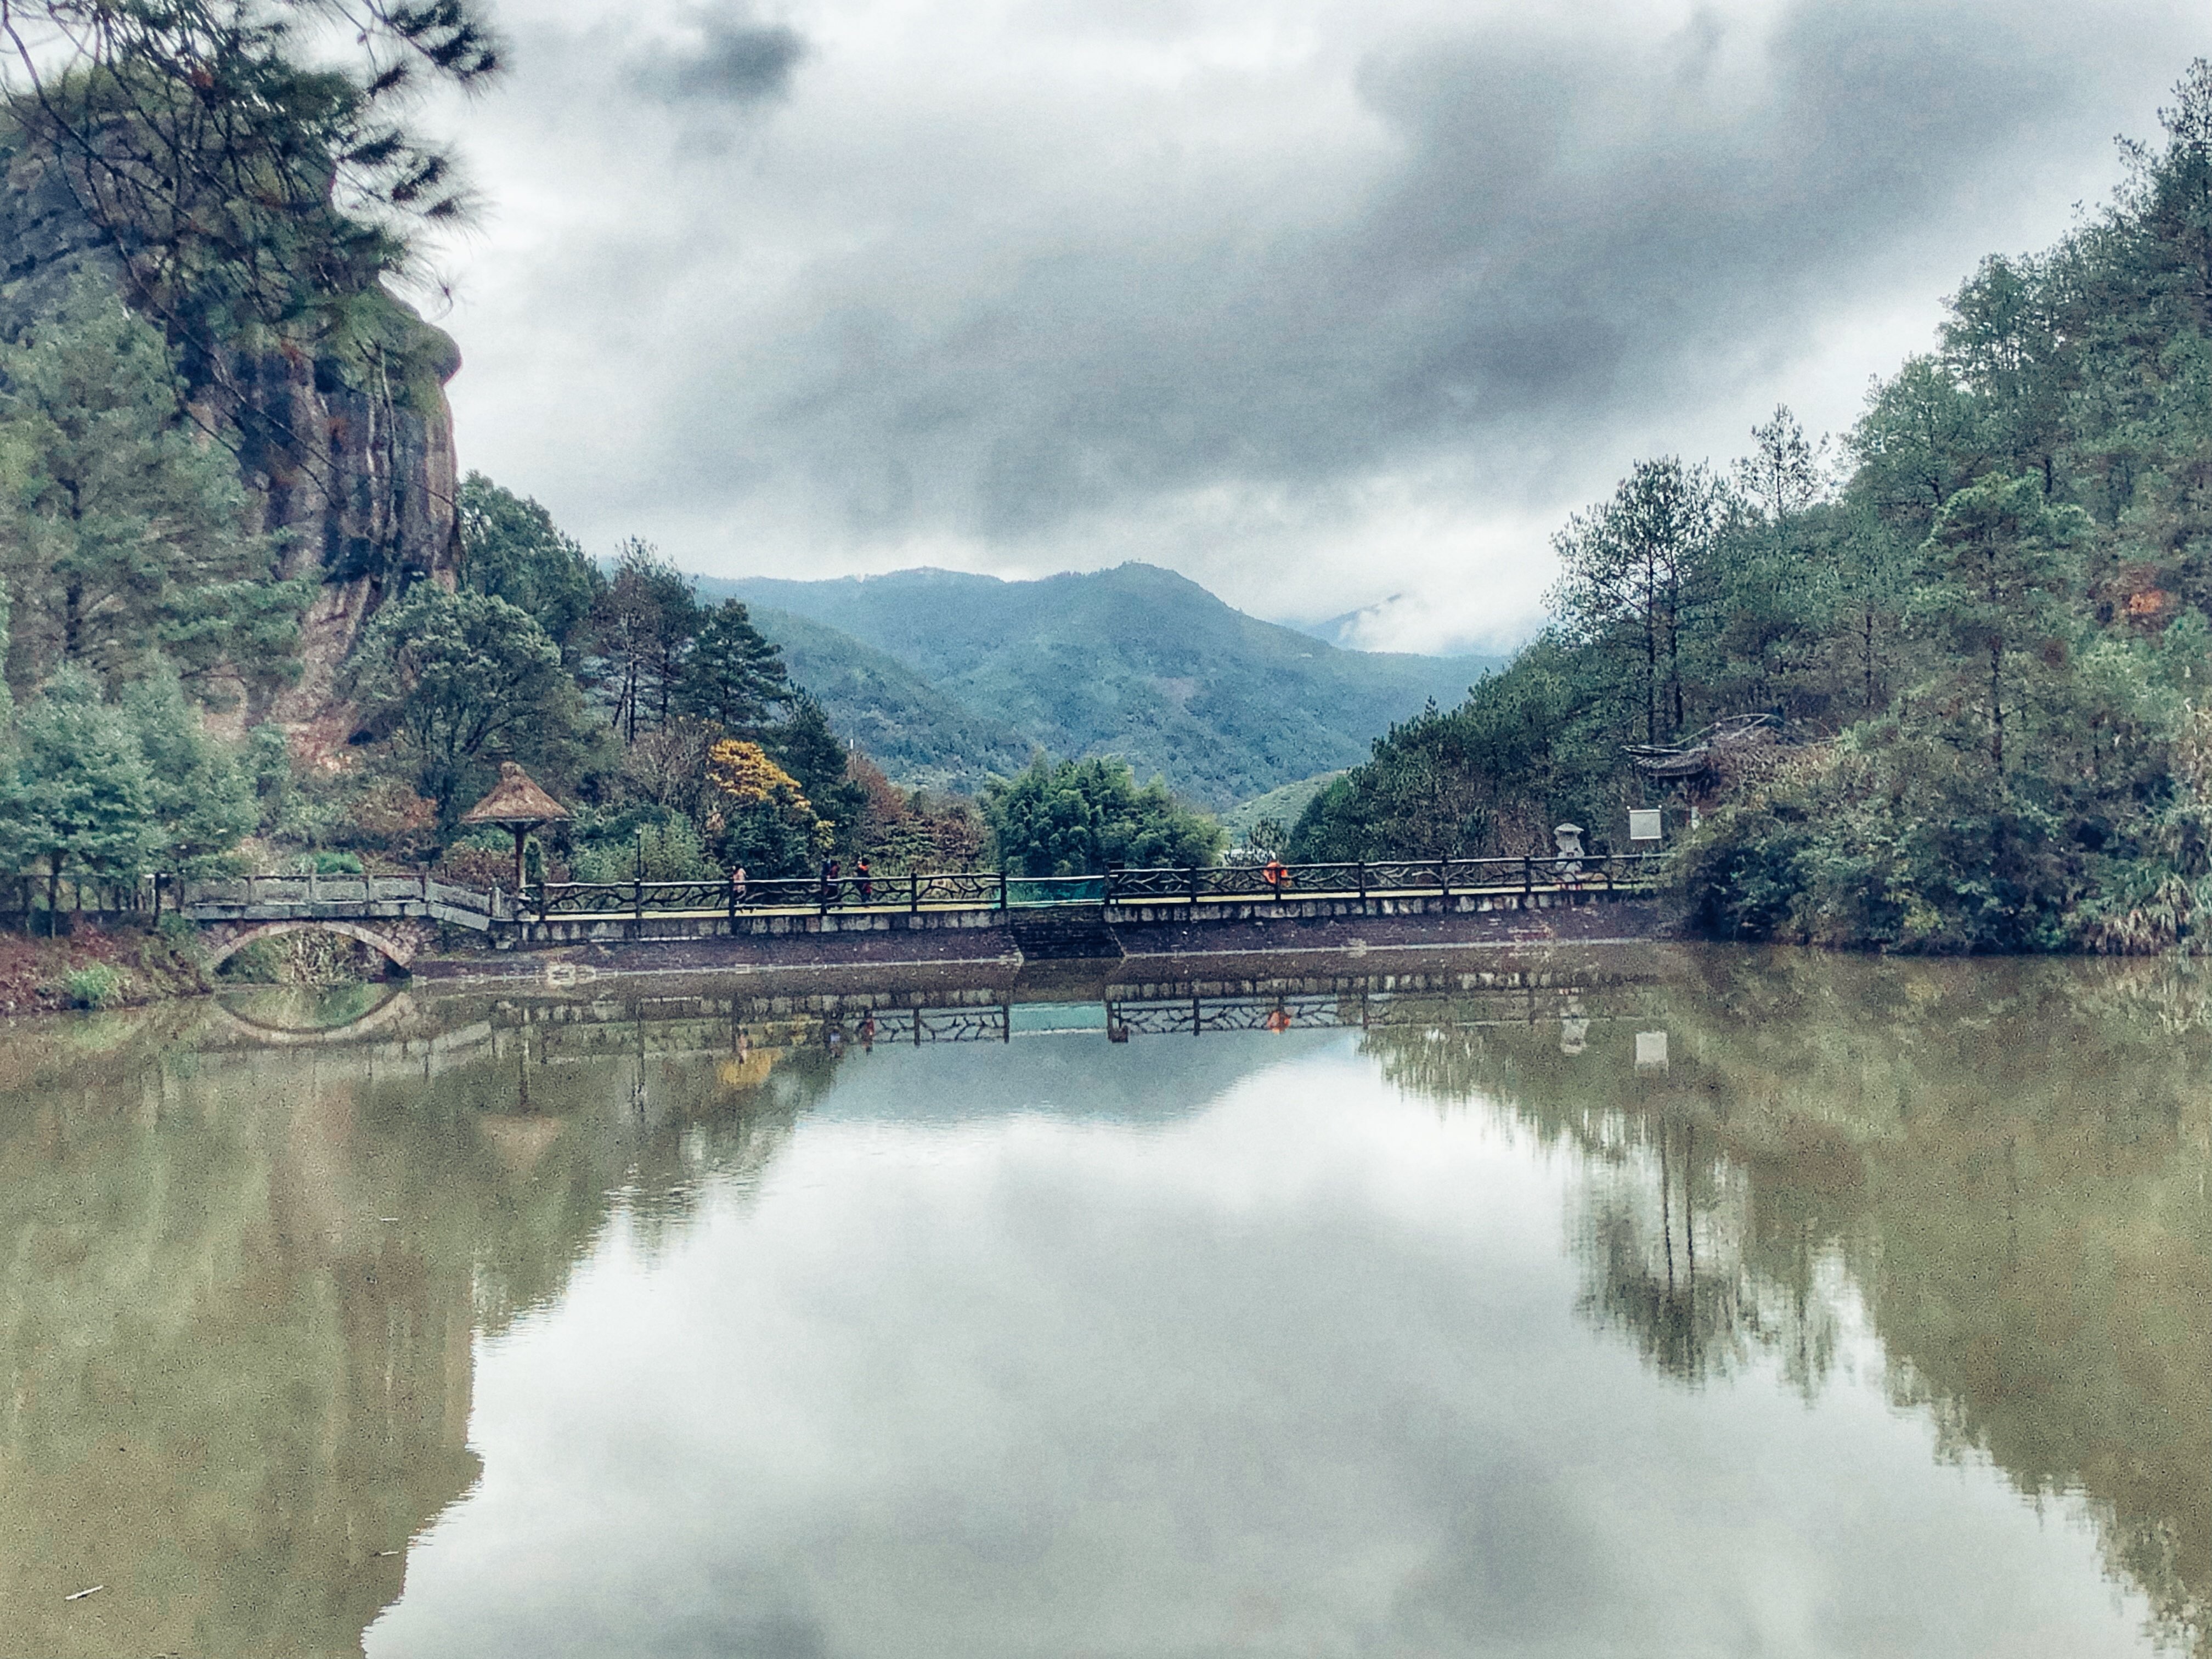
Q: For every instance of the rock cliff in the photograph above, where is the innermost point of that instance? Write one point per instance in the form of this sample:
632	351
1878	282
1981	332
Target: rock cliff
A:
349	456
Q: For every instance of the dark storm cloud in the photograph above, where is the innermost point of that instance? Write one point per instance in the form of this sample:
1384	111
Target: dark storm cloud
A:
735	60
1573	230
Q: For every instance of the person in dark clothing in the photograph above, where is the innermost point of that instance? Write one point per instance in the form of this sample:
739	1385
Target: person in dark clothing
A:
867	882
830	880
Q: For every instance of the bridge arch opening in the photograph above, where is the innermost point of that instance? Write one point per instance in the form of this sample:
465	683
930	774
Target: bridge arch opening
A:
398	953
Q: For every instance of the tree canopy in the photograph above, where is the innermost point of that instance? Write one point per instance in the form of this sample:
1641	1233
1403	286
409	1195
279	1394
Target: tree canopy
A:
1082	817
463	681
121	528
1980	639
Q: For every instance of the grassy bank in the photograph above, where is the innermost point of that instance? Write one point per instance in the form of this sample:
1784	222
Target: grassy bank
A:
99	965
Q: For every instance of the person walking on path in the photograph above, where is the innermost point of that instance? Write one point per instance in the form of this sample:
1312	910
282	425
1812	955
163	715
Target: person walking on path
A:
830	882
1277	876
867	881
737	886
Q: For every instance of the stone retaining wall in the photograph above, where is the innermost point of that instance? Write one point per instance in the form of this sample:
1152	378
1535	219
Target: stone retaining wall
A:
1230	929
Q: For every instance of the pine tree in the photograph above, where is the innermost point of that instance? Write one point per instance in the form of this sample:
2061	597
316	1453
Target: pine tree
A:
83	796
734	676
200	798
121	528
643	629
512	549
1632	572
2003	562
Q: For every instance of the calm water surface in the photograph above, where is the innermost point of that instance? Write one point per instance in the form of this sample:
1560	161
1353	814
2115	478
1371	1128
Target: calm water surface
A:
1689	1304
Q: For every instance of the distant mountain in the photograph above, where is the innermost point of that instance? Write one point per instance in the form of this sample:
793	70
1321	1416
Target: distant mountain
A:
1283	805
1342	631
915	731
1136	661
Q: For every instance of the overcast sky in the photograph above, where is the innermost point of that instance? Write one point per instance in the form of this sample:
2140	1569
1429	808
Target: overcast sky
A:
1328	306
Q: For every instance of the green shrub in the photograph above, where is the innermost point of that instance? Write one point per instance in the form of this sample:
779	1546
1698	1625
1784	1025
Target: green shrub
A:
1081	817
672	851
98	986
1887	841
327	864
260	963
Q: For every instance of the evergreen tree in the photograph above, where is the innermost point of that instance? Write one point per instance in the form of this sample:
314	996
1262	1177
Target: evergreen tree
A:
806	747
121	533
643	630
2003	562
462	681
512	550
1922	439
199	797
250	167
83	796
732	677
1631	573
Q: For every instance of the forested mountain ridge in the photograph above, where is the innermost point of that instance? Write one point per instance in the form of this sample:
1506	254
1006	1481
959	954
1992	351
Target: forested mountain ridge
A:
920	735
1135	661
1981	630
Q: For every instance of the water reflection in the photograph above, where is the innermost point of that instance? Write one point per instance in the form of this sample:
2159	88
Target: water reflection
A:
2005	1163
253	1254
242	1288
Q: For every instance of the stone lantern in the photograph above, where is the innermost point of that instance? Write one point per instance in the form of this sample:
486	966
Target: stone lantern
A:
1570	838
516	802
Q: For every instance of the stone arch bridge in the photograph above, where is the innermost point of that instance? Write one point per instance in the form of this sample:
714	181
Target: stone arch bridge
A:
396	916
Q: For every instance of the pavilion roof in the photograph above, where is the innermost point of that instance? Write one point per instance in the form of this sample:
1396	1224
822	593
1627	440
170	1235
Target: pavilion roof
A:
515	799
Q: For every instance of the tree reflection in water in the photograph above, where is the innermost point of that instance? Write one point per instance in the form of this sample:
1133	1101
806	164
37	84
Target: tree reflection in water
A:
241	1285
1999	1167
240	1289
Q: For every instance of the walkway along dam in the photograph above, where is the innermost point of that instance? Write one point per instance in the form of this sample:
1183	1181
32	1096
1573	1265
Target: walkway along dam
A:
956	915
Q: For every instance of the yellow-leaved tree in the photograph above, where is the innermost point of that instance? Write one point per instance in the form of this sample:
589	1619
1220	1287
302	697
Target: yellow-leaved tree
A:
761	820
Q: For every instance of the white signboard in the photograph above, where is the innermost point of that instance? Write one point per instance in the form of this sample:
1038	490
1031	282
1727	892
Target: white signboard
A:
1643	825
1651	1051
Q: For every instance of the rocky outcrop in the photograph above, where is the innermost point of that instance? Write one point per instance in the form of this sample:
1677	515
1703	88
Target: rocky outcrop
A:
360	481
347	454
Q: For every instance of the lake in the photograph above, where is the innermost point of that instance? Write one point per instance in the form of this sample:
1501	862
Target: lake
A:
1670	1302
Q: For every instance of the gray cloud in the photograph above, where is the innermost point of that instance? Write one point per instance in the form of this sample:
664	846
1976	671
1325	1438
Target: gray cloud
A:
1569	231
737	61
1033	323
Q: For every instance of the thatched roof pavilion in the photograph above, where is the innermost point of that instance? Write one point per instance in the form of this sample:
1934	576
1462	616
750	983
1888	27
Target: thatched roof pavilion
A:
517	803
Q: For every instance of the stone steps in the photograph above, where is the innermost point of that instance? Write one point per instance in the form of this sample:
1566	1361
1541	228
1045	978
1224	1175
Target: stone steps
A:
1070	932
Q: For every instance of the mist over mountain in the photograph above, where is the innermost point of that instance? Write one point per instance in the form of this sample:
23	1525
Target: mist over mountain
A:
1135	661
